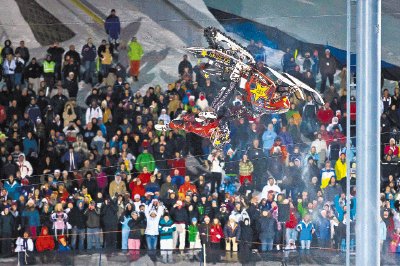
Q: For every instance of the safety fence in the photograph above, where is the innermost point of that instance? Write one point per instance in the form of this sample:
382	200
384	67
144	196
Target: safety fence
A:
195	257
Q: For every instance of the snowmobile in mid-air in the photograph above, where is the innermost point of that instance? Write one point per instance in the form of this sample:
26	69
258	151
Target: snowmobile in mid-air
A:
261	94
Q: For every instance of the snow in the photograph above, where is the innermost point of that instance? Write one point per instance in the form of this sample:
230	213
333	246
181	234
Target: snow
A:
14	26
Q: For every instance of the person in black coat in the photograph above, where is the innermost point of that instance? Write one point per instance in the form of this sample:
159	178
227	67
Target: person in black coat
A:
9	168
109	219
257	157
91	184
77	220
6	231
71	84
246	239
136	226
266	228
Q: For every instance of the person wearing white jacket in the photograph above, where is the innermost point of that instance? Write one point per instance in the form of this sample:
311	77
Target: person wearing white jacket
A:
153	214
24	248
216	166
94	111
24	166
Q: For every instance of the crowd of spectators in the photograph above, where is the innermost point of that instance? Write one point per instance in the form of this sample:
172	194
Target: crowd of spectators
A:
105	178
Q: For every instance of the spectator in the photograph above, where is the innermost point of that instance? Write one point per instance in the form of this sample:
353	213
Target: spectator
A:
135	226
306	229
7	227
327	65
109	220
266	227
77	221
216	235
25	248
92	214
271	186
166	231
324	230
153	213
31	219
9	65
44	242
181	218
232	235
341	170
112	25
245	170
56	53
185	64
145	160
326	173
117	187
89	55
268	138
135	54
216	166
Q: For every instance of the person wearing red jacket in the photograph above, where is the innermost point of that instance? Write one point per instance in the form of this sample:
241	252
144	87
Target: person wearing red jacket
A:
144	176
291	223
44	243
325	114
136	187
216	235
178	163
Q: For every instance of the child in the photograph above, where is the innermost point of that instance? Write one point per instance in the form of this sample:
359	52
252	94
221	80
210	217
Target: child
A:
62	244
194	236
25	249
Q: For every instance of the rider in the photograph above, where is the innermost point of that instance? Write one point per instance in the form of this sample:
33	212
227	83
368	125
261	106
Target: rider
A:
205	124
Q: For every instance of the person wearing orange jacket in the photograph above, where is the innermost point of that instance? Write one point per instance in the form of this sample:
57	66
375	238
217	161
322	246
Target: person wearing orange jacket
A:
186	187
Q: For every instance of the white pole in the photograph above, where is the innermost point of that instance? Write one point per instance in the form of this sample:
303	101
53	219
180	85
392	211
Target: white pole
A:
204	254
368	131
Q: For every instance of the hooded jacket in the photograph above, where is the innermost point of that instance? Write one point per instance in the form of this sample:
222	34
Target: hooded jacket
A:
268	187
25	167
44	242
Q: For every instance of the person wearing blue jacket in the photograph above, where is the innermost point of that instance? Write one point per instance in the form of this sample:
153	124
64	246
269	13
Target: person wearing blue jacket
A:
228	186
30	145
166	228
30	218
125	229
13	188
306	229
268	138
324	231
112	25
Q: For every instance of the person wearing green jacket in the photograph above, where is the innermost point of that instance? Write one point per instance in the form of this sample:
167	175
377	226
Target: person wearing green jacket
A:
194	236
145	159
135	53
166	228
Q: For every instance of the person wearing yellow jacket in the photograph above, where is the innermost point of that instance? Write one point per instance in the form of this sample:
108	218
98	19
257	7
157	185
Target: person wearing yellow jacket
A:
341	170
135	53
